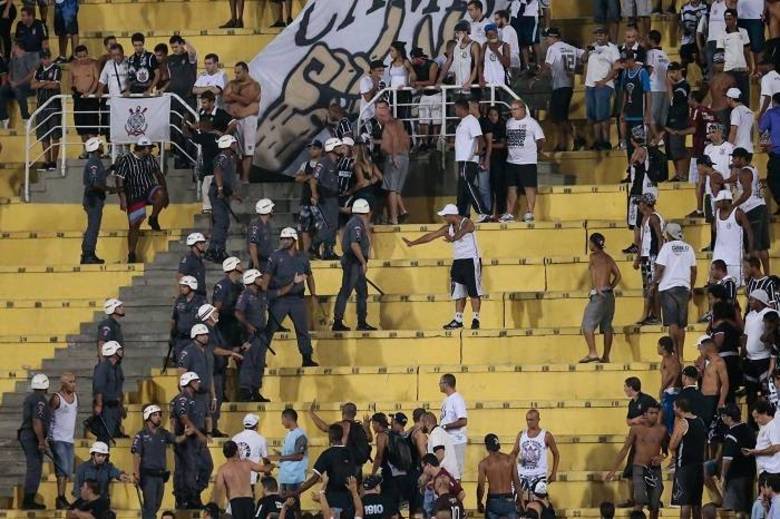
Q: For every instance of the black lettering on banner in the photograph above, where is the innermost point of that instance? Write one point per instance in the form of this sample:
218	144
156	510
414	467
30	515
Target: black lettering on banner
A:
301	40
350	16
433	7
378	4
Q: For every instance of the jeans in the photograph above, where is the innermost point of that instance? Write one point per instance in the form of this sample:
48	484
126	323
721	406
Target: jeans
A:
352	278
63	454
20	93
483	181
498	506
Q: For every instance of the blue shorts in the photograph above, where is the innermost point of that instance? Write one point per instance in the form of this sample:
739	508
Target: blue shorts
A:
527	28
598	103
755	30
606	11
63	453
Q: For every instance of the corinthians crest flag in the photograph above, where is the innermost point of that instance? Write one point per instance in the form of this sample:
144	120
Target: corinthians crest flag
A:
134	117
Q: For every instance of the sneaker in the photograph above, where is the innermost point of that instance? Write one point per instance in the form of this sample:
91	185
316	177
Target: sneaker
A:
153	223
92	260
452	325
44	166
132	258
528	217
260	398
339	326
308	363
278	24
506	217
332	256
706	317
631	249
229	25
696	213
650	321
30	504
605	146
579	144
402	218
61	503
708	248
482	218
51	166
365	327
475	324
216	433
240	25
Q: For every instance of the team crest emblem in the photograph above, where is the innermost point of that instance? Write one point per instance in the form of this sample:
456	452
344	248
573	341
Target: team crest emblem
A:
136	122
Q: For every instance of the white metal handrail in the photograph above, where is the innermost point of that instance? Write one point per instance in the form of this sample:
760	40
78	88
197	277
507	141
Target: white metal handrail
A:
66	103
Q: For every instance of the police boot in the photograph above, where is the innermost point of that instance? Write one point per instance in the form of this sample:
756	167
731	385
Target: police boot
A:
339	326
245	395
308	362
365	327
329	255
29	503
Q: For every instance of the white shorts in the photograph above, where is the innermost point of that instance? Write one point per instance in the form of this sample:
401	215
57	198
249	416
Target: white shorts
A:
693	172
430	109
460	455
246	133
735	271
207	180
634	8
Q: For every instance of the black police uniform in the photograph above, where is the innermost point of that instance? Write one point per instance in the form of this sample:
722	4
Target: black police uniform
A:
109	329
185	315
94	180
254	303
35	407
192	265
199	360
108	380
260	234
103	474
151	447
352	277
193	460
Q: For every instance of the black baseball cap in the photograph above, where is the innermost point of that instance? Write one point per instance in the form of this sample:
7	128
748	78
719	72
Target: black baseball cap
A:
741	153
417	52
553	31
674	65
377	63
492	443
732	411
371	482
316	143
400	418
705	160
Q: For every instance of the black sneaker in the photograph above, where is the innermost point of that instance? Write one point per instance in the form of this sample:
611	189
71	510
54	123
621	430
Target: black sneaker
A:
229	25
132	258
281	329
91	260
51	166
452	325
32	505
631	249
278	24
338	326
365	327
475	324
216	433
153	223
61	503
308	363
332	256
260	398
695	214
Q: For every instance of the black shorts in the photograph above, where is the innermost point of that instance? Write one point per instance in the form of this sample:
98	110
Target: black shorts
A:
759	223
529	30
521	175
560	101
66	23
86	123
466	278
688	485
675	146
242	508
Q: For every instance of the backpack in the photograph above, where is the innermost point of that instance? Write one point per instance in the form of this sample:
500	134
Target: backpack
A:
357	443
659	166
399	450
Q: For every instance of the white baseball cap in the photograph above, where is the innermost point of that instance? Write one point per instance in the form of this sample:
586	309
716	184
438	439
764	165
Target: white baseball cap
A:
188	377
198	329
734	93
150	410
194	238
230	264
225	141
723	194
332	143
205	311
110	306
448	210
289	232
99	448
251	420
702	339
92	144
760	295
674	230
110	348
189	281
361	206
39	381
264	206
348	141
144	141
251	275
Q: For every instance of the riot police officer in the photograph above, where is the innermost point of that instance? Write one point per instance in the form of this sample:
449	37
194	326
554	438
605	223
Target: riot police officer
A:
258	236
193	460
192	263
100	469
283	266
95	189
224	298
325	194
108	393
221	190
150	470
198	358
356	246
36	419
185	312
109	328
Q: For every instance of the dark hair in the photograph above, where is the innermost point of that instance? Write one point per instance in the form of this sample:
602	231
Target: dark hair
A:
718	292
530	513
732	12
213	57
175	39
29	10
80	48
430	459
753	261
230	449
699	95
105	42
776	98
335	433
117	46
137	36
683	404
732	411
449	379
637	514
762	479
654	36
418	413
269	483
666	343
720	265
763	406
290	413
653	405
383	102
607	510
722	310
634	383
462	103
477	4
209	95
161	47
349	410
690	372
503	13
773	481
243	65
93	485
168	513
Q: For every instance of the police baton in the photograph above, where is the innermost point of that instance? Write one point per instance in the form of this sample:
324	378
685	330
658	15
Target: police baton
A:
140	496
108	432
226	201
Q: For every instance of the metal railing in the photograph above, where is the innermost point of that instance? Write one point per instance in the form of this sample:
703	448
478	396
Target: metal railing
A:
67	109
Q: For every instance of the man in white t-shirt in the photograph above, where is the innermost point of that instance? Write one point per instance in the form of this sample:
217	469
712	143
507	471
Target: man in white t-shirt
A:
524	142
440	444
477	20
251	444
657	64
600	57
750	16
469	144
715	26
735	43
370	84
757	352
560	62
508	34
675	276
454	417
770	84
767	451
741	130
114	73
212	80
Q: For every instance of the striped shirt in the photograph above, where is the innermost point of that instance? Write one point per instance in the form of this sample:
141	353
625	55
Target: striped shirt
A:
138	175
344	128
763	283
345	166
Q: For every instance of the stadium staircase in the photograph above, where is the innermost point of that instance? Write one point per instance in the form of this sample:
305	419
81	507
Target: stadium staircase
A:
525	355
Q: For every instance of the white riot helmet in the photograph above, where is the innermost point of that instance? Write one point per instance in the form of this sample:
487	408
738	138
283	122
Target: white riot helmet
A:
99	448
289	232
92	144
230	264
150	410
110	348
189	281
194	238
264	206
110	306
39	381
205	311
360	206
198	329
188	377
251	275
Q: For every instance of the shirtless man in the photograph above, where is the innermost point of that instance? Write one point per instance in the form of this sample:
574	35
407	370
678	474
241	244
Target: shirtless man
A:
499	471
604	277
671	380
395	149
714	379
530	451
648	441
233	481
719	84
242	101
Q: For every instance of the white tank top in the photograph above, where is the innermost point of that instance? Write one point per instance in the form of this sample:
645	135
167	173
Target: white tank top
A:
63	420
466	247
532	460
728	239
647	235
756	198
493	68
399	77
462	63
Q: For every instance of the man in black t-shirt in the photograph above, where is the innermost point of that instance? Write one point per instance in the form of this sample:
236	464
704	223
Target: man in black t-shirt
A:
32	34
677	120
90	504
738	471
143	71
375	505
271	502
220	119
639	401
46	83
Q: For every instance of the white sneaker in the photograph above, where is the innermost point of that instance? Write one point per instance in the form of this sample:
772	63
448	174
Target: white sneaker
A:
506	217
528	217
483	218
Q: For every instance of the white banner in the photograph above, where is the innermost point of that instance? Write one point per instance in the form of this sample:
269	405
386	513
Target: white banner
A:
322	56
134	117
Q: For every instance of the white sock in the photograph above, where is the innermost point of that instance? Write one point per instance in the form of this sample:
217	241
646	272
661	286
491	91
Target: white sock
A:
476	316
459	317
